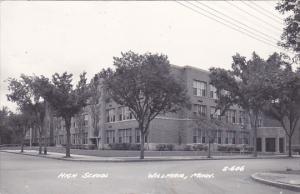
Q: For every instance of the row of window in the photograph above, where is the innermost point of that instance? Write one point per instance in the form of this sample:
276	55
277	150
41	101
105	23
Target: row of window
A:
230	115
200	89
123	114
220	137
76	138
124	136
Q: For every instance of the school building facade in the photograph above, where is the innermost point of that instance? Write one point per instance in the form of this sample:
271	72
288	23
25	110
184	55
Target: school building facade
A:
117	124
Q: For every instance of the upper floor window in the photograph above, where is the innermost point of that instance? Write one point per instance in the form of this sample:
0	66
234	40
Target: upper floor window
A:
199	88
213	92
125	114
111	115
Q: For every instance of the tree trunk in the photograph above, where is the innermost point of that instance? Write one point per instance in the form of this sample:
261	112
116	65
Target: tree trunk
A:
142	144
22	140
68	145
40	142
22	145
254	142
45	145
290	146
44	139
208	156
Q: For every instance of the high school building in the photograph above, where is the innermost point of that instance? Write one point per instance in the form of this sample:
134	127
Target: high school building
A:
117	124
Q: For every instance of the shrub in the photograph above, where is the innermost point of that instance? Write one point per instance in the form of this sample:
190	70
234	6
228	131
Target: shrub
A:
124	146
164	147
187	148
200	147
228	148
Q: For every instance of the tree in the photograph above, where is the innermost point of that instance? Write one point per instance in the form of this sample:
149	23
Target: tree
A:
145	84
210	128
245	85
284	105
26	92
290	36
5	129
20	123
66	100
94	104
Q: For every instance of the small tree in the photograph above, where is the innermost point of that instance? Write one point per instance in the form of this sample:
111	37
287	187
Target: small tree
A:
66	100
284	106
245	85
145	84
210	127
26	93
21	123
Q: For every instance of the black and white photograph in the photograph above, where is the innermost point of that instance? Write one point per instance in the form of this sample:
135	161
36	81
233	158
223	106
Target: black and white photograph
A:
150	97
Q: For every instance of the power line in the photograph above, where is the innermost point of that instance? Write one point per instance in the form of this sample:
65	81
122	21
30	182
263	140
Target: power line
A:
253	29
259	11
265	10
259	19
212	18
239	27
233	28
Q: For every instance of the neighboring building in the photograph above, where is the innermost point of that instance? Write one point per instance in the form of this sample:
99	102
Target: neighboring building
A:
117	124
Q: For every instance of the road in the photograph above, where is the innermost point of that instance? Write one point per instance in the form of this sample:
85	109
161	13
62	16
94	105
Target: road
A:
35	175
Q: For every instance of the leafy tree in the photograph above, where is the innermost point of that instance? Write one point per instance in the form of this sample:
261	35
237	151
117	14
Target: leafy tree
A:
145	84
5	129
284	105
21	123
290	36
66	100
26	93
245	85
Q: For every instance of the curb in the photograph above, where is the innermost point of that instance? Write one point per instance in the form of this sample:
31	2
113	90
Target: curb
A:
139	160
274	183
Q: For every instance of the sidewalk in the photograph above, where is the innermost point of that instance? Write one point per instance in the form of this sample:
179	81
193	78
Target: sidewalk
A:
283	180
86	158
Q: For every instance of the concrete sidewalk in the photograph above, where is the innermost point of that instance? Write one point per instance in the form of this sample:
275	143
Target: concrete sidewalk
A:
86	158
282	180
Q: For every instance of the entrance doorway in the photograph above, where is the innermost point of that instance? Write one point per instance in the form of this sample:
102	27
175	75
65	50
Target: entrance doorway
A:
281	145
270	144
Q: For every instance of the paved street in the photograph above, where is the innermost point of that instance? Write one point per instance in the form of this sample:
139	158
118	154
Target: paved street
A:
28	174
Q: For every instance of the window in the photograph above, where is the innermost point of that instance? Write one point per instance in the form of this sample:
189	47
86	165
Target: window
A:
138	136
125	114
215	113
110	136
242	117
86	120
124	136
111	115
199	88
196	135
200	109
231	116
213	92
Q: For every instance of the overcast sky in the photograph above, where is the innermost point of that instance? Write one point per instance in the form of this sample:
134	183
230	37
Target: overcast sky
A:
48	37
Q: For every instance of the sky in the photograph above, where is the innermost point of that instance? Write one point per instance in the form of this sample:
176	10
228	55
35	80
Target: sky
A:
42	38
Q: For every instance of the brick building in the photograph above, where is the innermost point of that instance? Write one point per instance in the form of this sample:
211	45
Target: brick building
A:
117	124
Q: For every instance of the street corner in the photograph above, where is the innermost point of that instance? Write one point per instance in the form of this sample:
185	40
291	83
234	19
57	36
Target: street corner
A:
283	180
